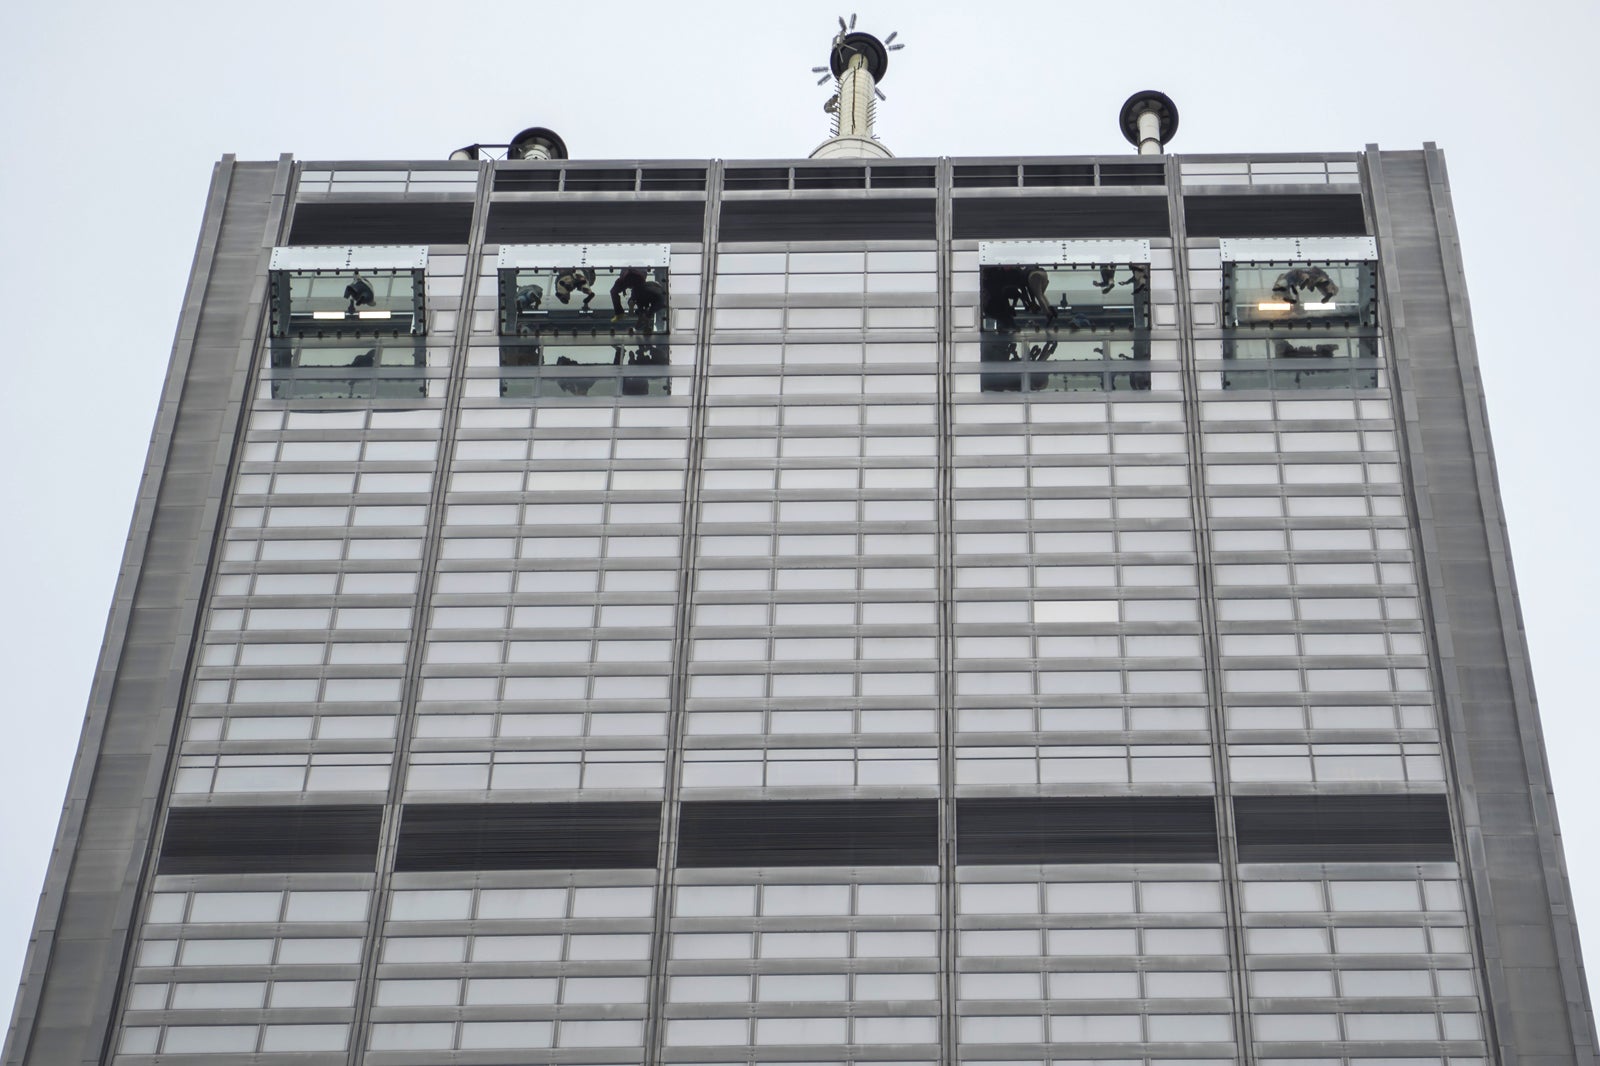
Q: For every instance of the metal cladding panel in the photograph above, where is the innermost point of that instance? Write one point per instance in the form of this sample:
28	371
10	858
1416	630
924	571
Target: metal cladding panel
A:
529	836
817	219
257	840
562	256
1507	830
381	223
586	221
66	1010
1085	829
393	257
1038	217
1512	846
1281	249
1400	827
1267	215
889	832
1077	253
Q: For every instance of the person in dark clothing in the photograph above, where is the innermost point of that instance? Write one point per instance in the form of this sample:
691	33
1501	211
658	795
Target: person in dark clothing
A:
1291	283
1011	288
646	297
360	294
628	283
575	279
997	306
576	386
529	297
1034	298
1288	350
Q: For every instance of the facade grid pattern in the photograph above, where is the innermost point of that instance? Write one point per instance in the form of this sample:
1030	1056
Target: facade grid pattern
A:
823	586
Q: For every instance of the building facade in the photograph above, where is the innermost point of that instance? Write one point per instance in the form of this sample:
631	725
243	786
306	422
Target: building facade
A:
979	610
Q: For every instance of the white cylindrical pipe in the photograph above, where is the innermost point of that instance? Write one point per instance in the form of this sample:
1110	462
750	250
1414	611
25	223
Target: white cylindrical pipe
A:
855	99
1149	132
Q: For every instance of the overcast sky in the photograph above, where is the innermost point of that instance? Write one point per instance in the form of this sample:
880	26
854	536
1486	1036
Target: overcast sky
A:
112	114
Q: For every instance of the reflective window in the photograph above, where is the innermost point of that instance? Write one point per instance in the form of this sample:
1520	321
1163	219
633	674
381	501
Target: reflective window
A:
1300	325
346	303
1082	320
625	366
347	367
546	301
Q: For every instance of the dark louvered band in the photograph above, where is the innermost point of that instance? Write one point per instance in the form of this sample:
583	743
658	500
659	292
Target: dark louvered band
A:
386	223
1034	217
1329	215
263	840
1398	827
809	833
1073	829
816	219
529	836
619	221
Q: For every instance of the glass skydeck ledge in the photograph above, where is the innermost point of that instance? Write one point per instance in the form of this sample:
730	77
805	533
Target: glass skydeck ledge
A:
1055	298
1300	313
343	293
1082	303
1300	284
547	290
1300	296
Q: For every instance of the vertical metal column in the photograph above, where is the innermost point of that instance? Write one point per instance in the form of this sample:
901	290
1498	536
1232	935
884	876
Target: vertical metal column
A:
66	1010
949	1031
416	646
666	857
1227	846
1507	839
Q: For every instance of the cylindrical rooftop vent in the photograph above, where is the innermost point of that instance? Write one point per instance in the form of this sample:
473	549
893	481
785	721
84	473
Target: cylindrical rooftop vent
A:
1148	120
536	142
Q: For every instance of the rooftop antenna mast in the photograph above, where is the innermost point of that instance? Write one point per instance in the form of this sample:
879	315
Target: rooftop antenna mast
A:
857	65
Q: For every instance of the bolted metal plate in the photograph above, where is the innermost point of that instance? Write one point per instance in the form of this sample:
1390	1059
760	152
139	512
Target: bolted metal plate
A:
360	257
1285	249
1063	253
560	256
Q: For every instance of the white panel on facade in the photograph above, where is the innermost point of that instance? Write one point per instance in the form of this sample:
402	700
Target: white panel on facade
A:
367	257
1084	253
561	256
1282	249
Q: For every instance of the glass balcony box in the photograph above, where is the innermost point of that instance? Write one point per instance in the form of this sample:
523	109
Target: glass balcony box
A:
347	323
584	290
345	294
1300	313
1065	316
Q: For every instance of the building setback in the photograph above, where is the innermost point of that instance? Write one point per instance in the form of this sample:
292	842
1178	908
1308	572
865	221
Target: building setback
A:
946	610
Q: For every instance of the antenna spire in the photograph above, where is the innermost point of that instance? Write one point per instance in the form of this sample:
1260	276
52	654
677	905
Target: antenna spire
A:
857	64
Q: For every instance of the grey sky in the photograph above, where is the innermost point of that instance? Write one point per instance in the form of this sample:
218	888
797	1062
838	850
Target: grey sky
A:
112	115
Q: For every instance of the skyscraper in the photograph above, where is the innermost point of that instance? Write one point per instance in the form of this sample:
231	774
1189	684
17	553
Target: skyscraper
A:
840	610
